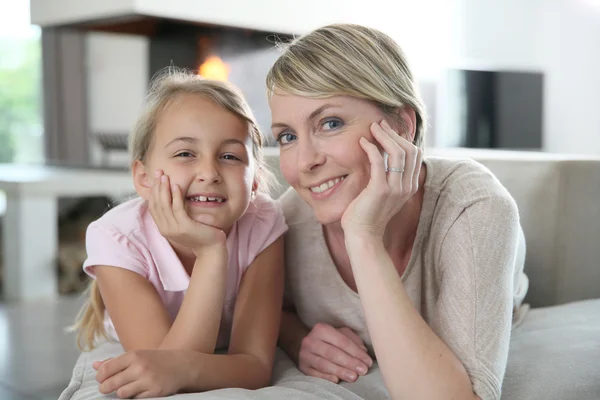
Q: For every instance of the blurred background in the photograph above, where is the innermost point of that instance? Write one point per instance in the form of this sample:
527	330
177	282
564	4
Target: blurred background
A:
496	74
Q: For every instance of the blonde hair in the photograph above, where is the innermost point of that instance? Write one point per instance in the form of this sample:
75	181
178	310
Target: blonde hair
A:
166	86
350	60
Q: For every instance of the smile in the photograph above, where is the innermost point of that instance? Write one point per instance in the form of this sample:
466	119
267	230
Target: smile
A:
207	199
323	187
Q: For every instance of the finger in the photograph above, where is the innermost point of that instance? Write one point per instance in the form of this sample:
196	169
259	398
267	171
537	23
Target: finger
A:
342	358
145	395
411	153
396	153
354	337
98	364
178	205
317	374
378	174
156	208
116	382
328	367
131	390
166	207
418	166
112	367
328	335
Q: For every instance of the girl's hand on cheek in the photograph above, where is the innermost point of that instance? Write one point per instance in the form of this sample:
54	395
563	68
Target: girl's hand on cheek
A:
387	191
167	208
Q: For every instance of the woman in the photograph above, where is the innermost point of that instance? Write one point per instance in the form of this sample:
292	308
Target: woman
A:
416	261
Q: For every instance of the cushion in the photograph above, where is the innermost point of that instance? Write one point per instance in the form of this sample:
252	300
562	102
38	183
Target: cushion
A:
288	383
555	354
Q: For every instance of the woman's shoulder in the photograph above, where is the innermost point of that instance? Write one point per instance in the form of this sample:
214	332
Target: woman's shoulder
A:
463	181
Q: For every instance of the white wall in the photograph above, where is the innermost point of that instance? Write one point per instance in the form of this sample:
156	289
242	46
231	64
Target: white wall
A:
558	37
571	57
117	82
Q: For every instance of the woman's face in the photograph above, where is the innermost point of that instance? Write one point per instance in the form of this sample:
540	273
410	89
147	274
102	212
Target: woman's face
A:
320	154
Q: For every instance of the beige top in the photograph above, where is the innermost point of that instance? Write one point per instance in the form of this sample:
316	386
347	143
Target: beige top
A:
465	275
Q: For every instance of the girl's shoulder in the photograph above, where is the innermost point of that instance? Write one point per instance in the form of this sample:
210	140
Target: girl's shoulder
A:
262	210
125	218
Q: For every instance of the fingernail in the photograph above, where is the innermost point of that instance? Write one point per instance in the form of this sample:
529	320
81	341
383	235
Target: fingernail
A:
384	123
173	187
163	178
361	370
350	377
157	173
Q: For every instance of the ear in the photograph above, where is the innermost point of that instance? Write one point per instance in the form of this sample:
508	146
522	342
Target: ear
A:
142	179
409	117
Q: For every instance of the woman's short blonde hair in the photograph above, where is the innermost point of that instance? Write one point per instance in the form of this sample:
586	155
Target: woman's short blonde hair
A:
350	60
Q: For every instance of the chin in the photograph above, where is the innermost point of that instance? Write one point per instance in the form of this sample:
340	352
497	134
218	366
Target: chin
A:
329	215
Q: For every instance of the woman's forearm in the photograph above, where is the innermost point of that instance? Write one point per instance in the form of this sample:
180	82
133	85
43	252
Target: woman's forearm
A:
291	333
414	361
196	326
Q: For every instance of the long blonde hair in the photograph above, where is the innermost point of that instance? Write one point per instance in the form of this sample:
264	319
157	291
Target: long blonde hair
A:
166	86
351	60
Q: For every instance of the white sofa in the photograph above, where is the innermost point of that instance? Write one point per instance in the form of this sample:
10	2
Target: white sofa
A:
555	351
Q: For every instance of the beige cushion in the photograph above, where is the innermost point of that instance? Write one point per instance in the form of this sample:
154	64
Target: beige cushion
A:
555	354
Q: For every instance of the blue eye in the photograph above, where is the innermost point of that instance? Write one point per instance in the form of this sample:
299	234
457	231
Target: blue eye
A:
332	124
286	138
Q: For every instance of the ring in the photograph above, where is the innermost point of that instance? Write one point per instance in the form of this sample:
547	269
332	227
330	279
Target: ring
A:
392	169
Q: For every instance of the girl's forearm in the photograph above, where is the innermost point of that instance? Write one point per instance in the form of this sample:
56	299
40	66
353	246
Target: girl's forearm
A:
414	361
196	326
291	333
218	371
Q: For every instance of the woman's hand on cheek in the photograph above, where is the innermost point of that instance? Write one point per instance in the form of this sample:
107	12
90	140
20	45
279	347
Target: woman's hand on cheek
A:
167	208
142	374
387	191
333	354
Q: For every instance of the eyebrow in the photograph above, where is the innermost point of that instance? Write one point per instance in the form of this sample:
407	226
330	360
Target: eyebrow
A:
191	140
312	115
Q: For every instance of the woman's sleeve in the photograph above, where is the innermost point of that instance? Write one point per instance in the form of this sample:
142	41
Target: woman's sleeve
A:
473	313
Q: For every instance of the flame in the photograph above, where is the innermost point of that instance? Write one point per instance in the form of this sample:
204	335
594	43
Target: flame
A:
214	68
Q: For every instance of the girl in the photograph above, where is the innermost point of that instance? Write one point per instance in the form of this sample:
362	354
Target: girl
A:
194	263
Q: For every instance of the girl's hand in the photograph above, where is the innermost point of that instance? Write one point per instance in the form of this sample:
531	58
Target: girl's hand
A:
167	208
142	373
387	191
333	354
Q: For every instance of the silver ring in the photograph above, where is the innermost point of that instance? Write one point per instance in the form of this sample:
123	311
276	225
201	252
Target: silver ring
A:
392	169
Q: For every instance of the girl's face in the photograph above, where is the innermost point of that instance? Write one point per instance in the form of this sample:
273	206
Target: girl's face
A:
207	151
320	154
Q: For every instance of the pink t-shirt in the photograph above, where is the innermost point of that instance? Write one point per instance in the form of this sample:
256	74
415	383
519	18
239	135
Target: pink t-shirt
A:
127	237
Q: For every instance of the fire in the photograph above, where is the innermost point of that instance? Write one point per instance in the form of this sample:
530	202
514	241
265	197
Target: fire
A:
214	68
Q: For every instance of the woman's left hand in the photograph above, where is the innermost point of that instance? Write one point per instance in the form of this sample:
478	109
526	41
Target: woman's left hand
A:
387	191
142	374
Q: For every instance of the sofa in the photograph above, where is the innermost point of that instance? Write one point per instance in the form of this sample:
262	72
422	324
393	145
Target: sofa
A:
554	351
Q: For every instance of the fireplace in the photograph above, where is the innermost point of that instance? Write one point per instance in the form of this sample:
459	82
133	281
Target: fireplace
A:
240	56
239	52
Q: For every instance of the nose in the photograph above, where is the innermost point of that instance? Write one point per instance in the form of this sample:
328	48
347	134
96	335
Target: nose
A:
310	155
208	172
